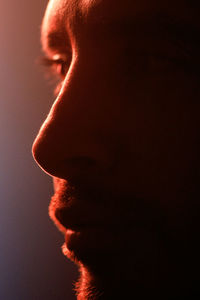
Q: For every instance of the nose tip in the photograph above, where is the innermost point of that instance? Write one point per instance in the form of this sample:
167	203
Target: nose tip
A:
40	156
47	157
73	166
74	169
64	148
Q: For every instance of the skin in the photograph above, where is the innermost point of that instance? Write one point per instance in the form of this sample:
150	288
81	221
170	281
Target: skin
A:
121	142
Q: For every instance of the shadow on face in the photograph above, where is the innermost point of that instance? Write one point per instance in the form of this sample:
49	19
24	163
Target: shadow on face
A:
122	139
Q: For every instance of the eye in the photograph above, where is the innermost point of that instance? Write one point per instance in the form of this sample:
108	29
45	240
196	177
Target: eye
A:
61	65
58	64
57	69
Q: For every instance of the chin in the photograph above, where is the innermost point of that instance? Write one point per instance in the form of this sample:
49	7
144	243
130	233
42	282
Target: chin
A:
96	225
117	246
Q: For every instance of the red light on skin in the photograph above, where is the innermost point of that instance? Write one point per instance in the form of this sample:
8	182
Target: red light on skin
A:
71	238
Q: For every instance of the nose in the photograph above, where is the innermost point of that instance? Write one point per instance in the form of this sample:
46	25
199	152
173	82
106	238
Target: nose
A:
74	137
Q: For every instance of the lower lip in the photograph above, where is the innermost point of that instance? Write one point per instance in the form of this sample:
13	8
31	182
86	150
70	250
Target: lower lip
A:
71	238
80	239
87	238
94	239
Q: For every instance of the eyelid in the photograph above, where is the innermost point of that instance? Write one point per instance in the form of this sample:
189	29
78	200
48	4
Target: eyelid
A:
57	68
56	59
58	64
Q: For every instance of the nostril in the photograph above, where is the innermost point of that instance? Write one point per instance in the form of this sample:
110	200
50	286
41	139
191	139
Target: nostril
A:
80	170
77	168
68	161
81	162
68	167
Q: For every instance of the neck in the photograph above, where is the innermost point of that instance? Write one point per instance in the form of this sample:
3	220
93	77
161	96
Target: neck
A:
116	277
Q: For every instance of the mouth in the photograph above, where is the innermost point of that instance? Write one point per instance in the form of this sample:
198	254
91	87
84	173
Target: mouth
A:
89	240
96	221
75	212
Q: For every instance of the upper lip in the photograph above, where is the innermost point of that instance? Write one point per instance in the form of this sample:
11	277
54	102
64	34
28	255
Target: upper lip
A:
75	218
85	226
92	209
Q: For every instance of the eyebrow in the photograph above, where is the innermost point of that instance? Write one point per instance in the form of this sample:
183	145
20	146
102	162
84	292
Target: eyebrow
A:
174	28
56	40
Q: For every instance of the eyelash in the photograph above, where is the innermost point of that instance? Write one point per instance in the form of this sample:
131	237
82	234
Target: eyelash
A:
58	67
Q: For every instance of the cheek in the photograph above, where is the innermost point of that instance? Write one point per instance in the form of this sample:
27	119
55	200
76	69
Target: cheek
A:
160	132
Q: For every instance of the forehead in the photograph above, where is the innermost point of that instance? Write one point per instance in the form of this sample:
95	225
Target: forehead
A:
62	14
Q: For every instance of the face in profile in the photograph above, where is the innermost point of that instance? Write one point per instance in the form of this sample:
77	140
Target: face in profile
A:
121	140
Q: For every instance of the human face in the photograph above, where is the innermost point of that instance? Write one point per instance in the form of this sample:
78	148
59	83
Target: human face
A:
122	137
